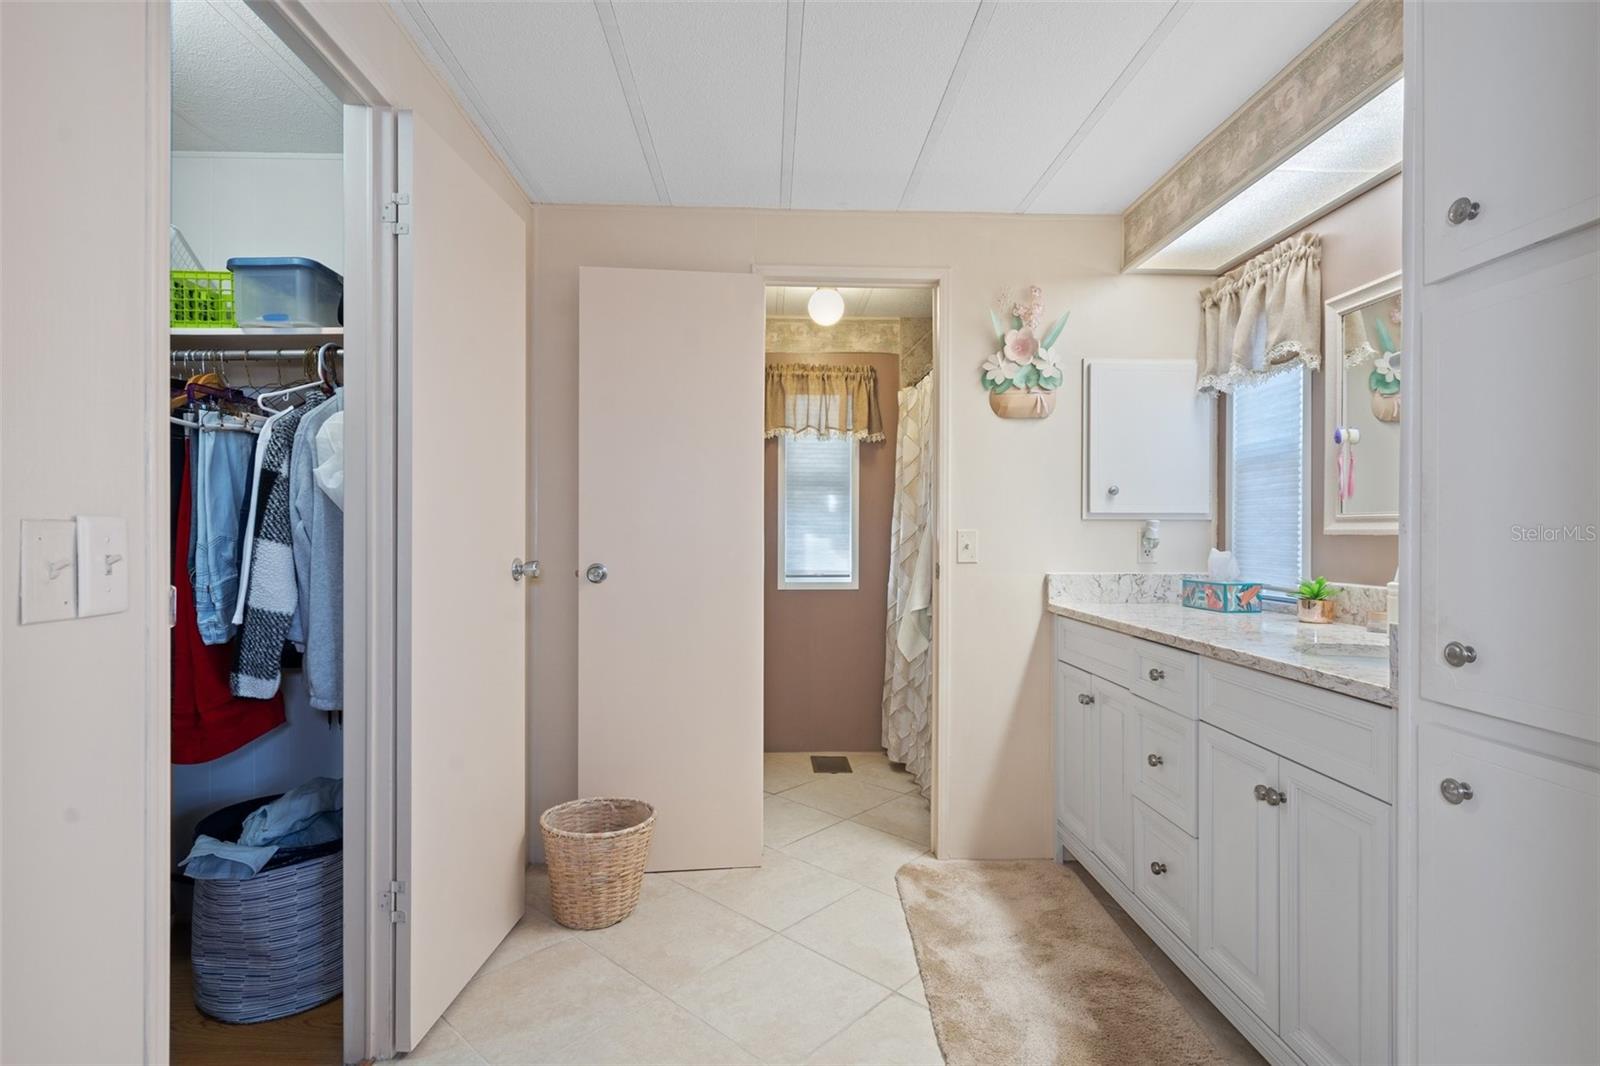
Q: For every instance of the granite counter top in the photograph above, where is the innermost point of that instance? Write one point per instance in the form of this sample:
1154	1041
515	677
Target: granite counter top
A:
1340	658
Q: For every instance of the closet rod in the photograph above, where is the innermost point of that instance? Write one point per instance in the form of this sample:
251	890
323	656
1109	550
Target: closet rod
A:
214	355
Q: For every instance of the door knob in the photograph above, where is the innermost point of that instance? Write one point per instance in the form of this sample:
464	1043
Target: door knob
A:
1463	209
1459	654
1158	868
596	573
1157	674
1085	699
1153	759
1455	792
520	569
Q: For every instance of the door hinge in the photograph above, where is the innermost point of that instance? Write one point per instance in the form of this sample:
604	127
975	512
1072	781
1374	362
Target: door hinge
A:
391	902
392	212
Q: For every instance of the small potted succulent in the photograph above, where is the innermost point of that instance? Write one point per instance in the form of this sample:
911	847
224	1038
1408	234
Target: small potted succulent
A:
1316	600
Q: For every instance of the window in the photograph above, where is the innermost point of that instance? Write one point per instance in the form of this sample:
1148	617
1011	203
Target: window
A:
817	505
1267	519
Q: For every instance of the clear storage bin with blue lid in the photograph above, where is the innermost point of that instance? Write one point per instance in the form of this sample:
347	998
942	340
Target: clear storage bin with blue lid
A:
284	291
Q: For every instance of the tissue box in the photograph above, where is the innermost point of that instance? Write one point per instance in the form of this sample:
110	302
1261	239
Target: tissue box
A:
1227	597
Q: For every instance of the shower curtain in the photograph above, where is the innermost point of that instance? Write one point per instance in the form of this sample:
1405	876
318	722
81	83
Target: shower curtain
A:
907	681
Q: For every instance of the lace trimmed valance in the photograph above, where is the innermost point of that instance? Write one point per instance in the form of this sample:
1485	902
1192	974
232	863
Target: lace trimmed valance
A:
819	400
1264	318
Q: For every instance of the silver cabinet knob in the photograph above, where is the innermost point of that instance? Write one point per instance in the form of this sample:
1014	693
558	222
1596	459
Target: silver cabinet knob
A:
1270	796
1463	209
596	573
1085	699
1455	792
1112	491
1158	868
1157	674
520	569
1153	759
1459	654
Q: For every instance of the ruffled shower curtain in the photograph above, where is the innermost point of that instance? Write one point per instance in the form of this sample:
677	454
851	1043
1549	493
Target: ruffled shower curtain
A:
907	684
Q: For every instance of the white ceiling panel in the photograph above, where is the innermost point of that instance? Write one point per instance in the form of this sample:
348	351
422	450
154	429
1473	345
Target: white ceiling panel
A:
1037	72
710	77
866	103
539	79
237	88
1216	57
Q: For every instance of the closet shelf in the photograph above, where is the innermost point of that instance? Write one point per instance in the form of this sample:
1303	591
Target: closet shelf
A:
239	340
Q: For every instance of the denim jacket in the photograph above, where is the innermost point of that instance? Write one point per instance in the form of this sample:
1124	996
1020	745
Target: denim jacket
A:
222	466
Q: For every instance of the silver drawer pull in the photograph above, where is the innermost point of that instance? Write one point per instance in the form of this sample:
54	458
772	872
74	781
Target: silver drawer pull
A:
1153	759
1455	792
1158	868
1085	699
1271	796
1459	654
1157	674
1462	209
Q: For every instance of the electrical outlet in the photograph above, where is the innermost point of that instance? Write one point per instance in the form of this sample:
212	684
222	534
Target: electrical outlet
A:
966	545
1149	541
49	571
1147	554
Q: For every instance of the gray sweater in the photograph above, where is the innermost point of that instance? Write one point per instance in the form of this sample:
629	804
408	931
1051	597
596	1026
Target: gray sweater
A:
317	525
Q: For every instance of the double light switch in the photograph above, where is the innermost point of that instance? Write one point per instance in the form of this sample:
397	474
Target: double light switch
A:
73	568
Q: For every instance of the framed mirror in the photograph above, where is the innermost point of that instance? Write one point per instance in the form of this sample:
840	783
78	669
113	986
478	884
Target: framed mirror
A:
1361	339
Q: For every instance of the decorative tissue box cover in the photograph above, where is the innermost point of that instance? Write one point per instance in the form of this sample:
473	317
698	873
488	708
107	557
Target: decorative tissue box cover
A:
1228	597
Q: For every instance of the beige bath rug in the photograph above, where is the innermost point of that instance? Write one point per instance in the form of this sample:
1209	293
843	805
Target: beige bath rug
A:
1021	964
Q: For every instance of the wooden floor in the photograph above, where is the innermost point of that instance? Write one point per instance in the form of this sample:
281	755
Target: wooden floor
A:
312	1038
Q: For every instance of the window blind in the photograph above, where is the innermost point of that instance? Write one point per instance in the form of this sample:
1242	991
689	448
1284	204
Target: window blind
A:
818	505
1266	478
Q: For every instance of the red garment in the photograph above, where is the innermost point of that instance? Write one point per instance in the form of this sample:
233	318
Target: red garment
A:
208	721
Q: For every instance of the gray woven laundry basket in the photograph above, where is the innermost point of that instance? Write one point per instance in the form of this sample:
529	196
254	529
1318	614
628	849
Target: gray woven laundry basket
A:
271	945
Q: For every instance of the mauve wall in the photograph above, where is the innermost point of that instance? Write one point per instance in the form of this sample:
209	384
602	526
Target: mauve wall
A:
824	647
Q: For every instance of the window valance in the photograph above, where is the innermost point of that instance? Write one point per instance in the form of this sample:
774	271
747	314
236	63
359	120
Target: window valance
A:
826	401
1263	318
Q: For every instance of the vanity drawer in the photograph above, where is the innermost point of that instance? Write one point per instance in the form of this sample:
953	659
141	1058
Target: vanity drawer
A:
1163	769
1166	676
1166	871
1350	740
1101	652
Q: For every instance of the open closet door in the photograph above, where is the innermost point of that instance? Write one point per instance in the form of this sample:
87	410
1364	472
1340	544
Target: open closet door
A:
670	401
461	832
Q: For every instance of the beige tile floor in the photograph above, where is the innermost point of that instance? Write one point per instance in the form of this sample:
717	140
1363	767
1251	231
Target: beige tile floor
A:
804	960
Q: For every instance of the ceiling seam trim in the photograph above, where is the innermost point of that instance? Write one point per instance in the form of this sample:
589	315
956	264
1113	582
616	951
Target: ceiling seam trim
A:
1157	36
442	58
947	100
293	73
793	43
607	14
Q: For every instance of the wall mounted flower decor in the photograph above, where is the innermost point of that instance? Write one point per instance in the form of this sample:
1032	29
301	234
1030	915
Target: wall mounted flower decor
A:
1023	374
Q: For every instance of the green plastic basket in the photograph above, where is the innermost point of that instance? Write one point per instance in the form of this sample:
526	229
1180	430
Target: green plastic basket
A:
202	299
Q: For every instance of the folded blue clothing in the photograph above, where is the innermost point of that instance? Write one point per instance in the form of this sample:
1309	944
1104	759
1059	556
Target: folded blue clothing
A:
306	814
218	860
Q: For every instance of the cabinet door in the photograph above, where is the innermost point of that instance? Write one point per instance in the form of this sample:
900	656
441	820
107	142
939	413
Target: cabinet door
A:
1510	503
1508	933
1113	735
1334	922
1239	869
1511	119
1074	699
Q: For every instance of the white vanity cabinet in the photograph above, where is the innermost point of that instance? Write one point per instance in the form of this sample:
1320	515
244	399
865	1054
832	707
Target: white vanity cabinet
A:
1250	837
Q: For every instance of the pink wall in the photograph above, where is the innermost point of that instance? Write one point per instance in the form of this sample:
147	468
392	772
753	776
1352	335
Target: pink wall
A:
824	647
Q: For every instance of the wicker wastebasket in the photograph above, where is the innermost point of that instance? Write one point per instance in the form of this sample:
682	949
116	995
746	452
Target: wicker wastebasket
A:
596	850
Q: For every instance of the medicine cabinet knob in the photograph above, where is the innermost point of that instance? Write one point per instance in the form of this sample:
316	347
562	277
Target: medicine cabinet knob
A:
1157	674
1459	654
1455	792
1085	699
1158	868
596	573
1112	491
1464	209
1153	759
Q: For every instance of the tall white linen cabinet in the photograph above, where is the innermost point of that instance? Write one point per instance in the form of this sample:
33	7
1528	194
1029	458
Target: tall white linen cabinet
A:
1499	818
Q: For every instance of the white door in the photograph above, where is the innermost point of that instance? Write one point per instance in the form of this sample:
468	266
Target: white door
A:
1511	528
670	385
461	842
1508	937
1074	694
1239	869
1507	84
1335	930
1112	736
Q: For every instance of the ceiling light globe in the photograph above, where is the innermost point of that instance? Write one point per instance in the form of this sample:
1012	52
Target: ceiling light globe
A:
826	307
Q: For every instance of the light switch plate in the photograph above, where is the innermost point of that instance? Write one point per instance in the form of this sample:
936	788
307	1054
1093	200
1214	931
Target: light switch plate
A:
49	570
102	565
966	545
